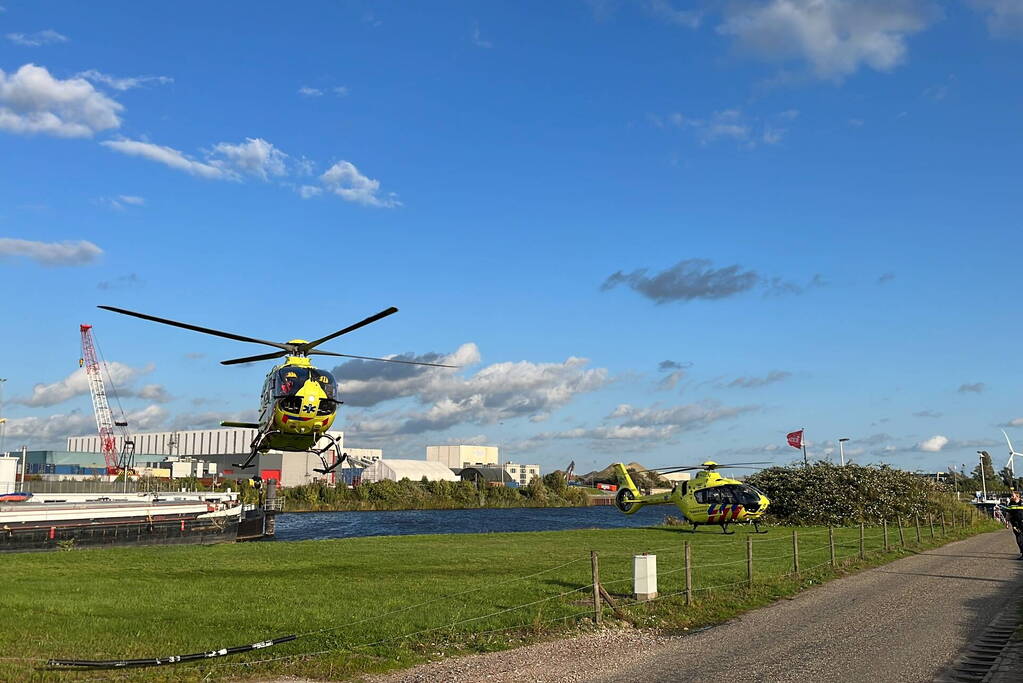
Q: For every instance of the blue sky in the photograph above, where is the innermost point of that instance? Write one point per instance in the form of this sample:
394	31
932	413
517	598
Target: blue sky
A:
647	231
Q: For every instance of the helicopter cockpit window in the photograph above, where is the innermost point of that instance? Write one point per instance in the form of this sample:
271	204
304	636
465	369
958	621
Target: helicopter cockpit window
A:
729	494
290	380
326	382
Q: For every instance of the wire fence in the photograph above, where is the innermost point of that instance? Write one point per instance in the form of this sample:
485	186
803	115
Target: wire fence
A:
738	563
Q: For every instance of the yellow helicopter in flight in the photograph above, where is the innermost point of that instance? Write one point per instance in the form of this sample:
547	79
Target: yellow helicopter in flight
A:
299	401
706	499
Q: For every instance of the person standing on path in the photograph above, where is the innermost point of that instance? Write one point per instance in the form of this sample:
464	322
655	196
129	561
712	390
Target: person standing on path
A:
1013	511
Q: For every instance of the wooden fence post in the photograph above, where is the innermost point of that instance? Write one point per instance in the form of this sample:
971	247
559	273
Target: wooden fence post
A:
943	524
831	544
795	551
916	518
596	587
902	536
749	560
863	548
689	574
884	523
930	523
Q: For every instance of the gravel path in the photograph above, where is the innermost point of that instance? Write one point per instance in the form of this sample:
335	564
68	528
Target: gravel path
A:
901	622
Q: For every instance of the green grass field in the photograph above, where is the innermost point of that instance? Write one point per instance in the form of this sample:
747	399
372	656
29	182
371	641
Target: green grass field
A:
371	604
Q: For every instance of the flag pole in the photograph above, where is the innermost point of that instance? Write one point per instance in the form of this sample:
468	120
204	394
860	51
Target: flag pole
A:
806	463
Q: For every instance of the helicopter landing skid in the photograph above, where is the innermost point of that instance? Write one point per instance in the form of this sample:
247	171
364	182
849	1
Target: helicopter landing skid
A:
256	443
341	457
724	530
756	528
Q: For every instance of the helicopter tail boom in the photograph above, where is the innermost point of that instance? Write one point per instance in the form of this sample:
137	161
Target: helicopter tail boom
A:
242	425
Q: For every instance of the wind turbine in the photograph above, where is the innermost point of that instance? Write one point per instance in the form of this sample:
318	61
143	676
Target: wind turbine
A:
1012	456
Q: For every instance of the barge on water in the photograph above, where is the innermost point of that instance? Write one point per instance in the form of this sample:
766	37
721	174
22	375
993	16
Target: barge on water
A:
54	521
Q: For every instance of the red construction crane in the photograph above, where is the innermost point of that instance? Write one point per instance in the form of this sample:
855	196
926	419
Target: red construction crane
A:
104	418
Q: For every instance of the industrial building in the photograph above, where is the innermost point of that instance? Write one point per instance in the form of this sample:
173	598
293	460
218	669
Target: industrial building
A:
192	442
415	470
523	474
456	457
366	455
219	449
482	459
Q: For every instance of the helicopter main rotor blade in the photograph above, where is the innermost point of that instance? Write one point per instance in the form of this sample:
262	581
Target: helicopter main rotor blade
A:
252	359
385	360
196	328
671	469
308	346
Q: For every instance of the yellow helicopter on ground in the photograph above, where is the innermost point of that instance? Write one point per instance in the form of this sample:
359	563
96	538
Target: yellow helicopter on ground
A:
708	498
299	401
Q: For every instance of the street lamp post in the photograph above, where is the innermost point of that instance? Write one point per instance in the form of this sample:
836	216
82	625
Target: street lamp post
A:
3	422
841	449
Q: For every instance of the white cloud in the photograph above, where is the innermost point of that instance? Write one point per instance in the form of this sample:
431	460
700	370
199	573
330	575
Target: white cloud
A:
129	281
496	392
772	136
309	91
168	156
226	161
255	157
725	124
933	444
668	12
50	430
734	125
119	201
477	40
154	392
77	384
51	253
345	180
309	191
642	428
33	101
37	39
834	37
1004	17
123	83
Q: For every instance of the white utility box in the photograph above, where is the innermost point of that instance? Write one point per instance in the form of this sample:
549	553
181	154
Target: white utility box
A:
644	572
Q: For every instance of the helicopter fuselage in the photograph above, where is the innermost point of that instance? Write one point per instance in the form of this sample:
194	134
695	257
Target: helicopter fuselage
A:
298	405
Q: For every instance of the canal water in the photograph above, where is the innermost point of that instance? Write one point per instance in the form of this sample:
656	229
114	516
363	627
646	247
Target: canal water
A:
322	525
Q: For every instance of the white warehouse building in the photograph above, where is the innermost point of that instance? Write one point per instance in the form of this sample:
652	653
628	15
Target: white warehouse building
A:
456	457
415	470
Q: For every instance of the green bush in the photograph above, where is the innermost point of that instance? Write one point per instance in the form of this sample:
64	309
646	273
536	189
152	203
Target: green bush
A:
425	495
832	495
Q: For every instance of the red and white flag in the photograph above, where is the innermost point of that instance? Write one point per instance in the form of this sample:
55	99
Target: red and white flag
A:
795	438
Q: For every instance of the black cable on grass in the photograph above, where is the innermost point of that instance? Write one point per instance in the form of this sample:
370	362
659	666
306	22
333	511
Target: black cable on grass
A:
160	661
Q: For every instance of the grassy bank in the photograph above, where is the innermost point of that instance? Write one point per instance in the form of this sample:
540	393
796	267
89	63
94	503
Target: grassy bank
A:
370	604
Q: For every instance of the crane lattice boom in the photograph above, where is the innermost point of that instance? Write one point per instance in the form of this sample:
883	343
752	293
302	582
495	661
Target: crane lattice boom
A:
104	417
